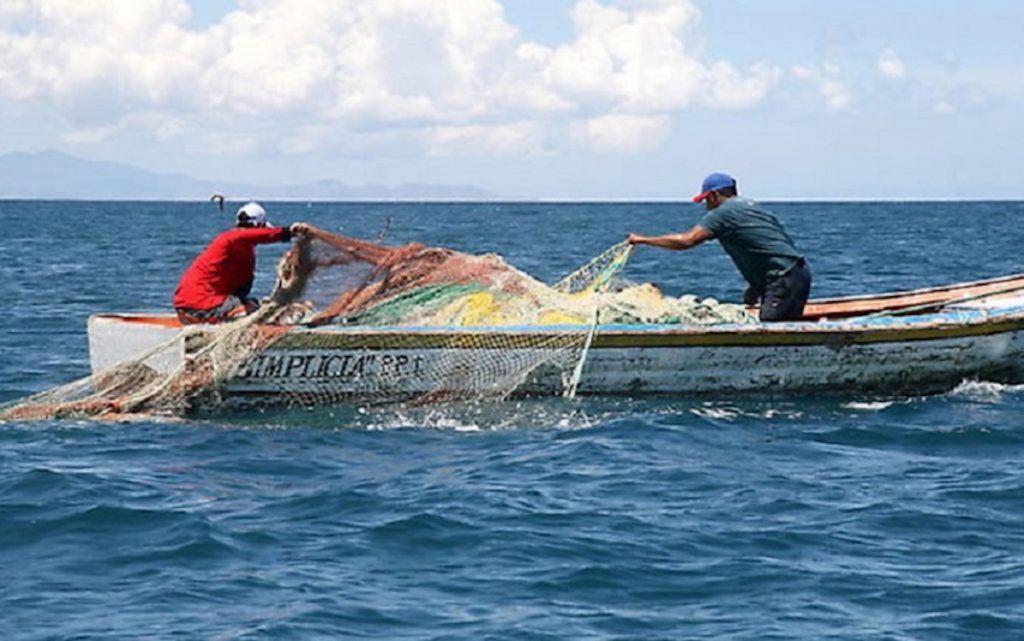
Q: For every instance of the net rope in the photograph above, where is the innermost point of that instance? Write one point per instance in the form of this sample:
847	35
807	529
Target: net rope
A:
349	319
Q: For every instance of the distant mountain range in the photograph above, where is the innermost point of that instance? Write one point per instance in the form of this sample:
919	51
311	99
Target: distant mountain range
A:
55	175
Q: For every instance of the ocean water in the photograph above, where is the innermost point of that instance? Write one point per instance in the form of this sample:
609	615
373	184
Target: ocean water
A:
840	517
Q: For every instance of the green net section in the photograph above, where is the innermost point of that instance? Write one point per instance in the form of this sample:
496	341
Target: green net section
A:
352	320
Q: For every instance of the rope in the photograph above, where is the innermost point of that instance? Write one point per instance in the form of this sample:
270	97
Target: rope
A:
624	251
614	255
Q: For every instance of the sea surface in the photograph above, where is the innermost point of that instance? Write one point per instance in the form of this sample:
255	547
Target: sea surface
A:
836	517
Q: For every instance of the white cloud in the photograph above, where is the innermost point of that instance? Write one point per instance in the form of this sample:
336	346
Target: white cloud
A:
964	97
803	73
830	85
273	71
891	66
97	60
498	140
622	133
305	140
646	60
231	144
167	127
836	93
394	60
730	89
88	135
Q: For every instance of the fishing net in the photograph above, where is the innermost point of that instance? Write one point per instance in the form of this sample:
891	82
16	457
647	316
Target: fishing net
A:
349	319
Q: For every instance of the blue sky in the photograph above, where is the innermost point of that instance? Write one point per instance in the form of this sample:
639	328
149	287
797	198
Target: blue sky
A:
553	99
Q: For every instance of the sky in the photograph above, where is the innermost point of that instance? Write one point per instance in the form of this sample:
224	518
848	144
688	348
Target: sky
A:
531	99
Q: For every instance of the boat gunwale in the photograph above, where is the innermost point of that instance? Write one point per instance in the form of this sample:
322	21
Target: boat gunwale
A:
897	301
830	333
953	324
999	280
814	314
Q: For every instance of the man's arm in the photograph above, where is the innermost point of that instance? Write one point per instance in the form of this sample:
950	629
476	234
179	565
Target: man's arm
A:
684	240
262	235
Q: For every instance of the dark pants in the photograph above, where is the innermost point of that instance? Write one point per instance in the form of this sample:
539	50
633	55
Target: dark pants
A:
785	296
233	307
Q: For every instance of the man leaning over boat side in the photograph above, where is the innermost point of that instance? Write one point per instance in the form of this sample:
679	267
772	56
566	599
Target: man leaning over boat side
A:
777	274
215	287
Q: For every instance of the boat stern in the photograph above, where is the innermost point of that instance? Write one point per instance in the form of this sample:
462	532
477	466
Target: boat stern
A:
116	338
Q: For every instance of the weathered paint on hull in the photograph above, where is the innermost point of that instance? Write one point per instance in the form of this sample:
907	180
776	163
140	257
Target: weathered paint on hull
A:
918	355
649	363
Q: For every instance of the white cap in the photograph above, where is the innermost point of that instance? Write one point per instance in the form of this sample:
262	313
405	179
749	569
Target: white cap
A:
253	214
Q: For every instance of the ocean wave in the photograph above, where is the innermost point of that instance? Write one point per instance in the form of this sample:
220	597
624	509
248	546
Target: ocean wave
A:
731	413
985	391
869	406
488	416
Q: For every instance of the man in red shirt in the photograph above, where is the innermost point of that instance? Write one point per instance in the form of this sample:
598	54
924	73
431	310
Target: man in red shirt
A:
215	288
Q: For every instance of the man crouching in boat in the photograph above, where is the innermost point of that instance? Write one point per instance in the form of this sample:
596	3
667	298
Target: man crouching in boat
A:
777	274
215	288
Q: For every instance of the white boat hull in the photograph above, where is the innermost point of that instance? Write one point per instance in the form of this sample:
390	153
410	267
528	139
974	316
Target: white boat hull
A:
314	365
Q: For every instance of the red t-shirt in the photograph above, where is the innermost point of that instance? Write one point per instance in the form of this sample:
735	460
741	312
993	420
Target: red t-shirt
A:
225	268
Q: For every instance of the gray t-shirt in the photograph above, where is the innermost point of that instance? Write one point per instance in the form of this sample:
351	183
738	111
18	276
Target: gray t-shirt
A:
753	238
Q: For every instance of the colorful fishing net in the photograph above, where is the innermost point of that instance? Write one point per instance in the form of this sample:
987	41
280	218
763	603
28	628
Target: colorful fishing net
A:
355	319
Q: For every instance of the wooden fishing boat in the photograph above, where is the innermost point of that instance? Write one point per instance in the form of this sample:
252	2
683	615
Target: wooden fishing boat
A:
904	342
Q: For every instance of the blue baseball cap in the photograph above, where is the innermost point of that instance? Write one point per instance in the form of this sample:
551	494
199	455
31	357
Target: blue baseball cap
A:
714	182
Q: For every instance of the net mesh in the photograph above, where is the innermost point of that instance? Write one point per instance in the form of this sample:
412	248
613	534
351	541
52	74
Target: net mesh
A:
349	319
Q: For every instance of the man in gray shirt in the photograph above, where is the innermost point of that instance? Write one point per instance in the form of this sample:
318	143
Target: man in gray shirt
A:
776	272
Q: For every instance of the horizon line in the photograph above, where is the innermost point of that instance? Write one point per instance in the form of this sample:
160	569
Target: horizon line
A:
574	200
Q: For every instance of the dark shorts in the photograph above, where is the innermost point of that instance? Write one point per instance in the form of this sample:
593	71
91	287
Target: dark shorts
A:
230	309
785	296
